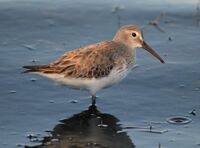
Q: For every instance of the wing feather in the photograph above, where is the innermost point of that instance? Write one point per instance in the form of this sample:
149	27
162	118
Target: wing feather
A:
93	61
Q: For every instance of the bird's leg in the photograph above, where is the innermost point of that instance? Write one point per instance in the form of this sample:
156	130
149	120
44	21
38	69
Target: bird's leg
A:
93	99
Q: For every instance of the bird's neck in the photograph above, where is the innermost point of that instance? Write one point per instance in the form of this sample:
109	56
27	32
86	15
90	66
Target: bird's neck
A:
126	51
120	39
120	43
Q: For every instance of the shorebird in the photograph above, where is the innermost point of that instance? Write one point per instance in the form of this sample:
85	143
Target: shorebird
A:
98	65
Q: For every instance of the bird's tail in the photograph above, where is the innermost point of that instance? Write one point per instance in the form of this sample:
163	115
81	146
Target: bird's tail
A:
34	68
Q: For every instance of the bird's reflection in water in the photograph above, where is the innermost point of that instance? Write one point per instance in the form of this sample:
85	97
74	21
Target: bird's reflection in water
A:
88	129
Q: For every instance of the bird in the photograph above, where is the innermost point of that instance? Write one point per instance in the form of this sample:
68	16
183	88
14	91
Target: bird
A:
99	65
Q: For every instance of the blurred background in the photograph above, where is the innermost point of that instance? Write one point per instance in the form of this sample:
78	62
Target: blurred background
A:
155	106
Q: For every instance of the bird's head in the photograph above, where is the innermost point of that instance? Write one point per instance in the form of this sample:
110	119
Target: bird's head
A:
132	37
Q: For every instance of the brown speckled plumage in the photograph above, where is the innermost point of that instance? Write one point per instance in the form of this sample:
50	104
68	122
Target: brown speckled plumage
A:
93	61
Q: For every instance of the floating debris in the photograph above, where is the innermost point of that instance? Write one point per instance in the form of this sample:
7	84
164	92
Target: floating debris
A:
51	101
193	112
179	120
116	10
197	15
29	47
13	91
170	38
155	22
34	60
150	127
33	79
73	101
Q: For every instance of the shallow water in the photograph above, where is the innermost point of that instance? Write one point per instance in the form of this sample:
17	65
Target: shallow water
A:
36	32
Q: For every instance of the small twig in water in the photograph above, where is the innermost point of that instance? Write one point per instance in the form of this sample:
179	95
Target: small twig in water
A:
159	145
150	127
29	47
193	112
155	22
116	10
198	13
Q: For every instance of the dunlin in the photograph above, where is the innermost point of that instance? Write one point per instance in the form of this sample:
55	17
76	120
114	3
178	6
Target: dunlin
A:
99	65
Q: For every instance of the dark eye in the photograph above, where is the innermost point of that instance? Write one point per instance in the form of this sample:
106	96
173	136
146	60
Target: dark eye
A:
134	34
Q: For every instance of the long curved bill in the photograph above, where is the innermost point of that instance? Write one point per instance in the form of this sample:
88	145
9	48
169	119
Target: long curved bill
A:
151	51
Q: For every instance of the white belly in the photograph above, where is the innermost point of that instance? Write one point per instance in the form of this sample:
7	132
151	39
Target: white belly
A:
92	85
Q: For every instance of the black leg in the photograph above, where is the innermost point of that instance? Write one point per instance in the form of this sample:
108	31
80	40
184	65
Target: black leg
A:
93	99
